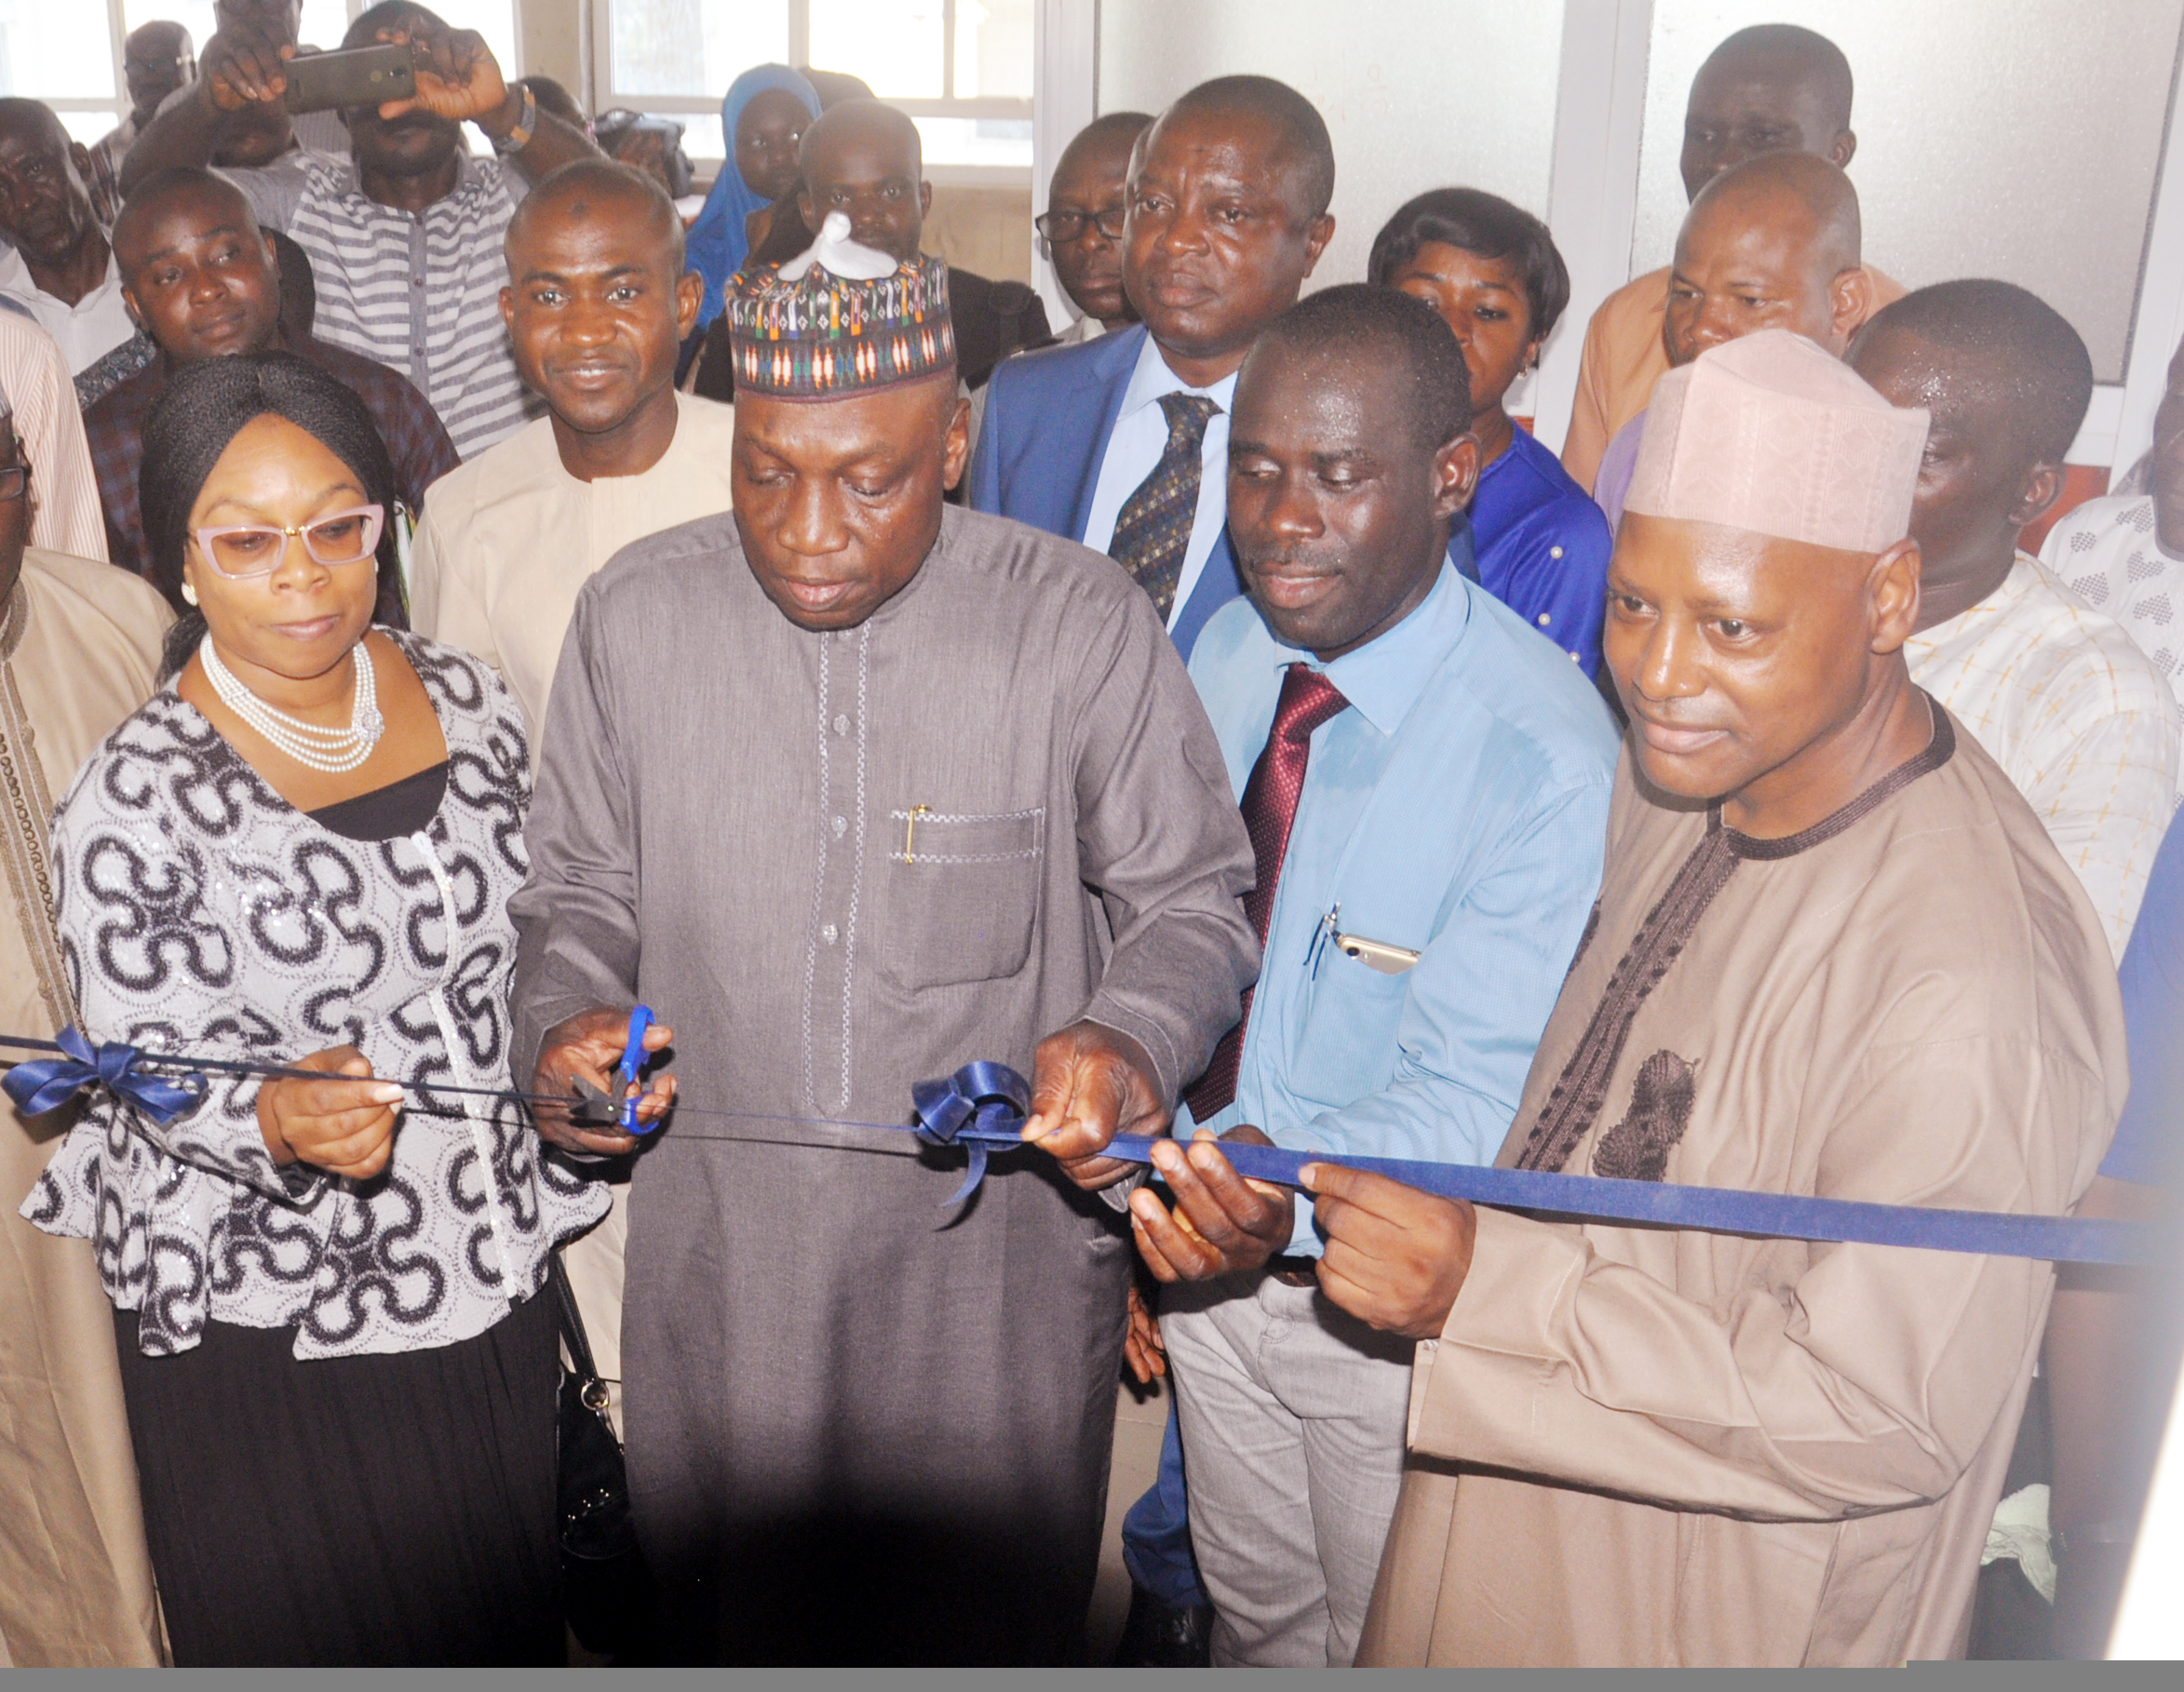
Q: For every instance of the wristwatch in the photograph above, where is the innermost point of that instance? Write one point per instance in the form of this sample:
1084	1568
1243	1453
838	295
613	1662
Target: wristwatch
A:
519	138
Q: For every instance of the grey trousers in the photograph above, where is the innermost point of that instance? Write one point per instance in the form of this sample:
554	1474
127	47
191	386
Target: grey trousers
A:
1293	1417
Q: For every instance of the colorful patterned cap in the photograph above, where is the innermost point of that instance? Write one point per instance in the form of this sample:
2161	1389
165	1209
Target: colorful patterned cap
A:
832	322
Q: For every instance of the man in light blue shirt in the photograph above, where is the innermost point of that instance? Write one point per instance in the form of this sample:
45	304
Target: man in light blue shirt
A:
1426	780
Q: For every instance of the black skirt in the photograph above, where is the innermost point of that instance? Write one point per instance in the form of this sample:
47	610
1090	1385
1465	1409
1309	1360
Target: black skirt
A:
381	1509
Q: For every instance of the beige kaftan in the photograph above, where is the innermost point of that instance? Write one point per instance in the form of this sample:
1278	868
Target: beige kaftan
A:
1711	1449
78	653
510	537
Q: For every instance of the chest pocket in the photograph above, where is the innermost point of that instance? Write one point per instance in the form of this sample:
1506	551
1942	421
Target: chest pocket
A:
963	894
1346	1048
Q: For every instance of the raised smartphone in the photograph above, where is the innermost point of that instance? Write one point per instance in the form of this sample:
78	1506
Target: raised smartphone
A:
361	76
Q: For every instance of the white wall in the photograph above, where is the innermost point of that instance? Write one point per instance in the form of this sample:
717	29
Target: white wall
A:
1416	96
1996	138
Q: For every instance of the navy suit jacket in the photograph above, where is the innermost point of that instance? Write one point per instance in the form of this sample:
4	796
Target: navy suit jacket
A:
1050	416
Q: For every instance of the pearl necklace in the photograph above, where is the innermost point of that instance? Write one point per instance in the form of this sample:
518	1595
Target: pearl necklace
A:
336	751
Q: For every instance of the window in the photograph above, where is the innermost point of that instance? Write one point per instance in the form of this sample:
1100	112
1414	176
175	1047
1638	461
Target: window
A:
68	52
960	68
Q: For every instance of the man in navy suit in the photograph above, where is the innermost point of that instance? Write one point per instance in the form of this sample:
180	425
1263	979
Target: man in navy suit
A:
1123	442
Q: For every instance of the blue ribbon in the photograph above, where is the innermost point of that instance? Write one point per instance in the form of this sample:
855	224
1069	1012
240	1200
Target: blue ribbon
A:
1000	1100
981	1107
46	1083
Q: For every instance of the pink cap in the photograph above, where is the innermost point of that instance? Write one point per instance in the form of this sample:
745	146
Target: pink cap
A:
1771	434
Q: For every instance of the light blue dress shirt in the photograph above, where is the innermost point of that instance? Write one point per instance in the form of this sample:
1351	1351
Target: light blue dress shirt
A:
1139	437
1459	809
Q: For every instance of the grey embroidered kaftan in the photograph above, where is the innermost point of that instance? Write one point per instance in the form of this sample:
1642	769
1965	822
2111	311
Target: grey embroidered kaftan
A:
885	1436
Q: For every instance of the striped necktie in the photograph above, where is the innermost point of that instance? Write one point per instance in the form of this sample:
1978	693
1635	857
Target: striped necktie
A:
1270	810
1153	528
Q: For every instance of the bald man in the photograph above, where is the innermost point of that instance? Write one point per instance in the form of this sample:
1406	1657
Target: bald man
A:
1834	955
1081	231
205	281
2057	692
866	159
1772	243
1772	88
57	267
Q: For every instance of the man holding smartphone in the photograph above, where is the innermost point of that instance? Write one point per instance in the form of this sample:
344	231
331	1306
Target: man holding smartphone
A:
405	235
1425	780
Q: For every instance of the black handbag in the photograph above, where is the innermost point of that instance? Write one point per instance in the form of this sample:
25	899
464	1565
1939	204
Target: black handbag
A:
605	1589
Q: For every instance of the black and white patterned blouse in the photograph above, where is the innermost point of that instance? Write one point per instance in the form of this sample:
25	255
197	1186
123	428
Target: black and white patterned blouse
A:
200	911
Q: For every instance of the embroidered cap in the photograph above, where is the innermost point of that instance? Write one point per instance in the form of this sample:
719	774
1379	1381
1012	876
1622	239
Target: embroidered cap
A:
839	320
1771	434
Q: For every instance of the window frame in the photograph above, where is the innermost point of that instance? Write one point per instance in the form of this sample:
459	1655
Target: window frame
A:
117	36
606	97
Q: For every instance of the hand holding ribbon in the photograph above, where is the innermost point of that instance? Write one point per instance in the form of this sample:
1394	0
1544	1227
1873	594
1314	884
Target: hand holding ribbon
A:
1090	1082
1221	1223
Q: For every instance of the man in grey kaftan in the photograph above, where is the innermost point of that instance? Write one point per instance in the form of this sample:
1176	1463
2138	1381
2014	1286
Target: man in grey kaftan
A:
839	863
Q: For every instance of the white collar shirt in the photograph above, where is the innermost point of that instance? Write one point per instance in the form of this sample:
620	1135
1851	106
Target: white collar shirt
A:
1134	450
87	331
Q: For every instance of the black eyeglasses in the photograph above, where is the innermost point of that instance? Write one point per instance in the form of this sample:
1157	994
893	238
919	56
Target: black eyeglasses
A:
14	483
1060	228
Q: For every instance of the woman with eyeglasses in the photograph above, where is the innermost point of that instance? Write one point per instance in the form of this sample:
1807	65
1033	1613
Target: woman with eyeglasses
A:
341	1379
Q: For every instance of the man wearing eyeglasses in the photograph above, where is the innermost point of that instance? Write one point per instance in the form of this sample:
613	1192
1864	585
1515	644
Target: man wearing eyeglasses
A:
79	651
1081	231
156	60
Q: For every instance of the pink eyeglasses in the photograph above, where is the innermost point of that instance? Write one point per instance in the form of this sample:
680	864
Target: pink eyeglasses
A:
242	550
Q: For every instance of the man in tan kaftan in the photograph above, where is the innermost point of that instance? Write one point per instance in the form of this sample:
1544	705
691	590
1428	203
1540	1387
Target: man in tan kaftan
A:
1835	954
79	651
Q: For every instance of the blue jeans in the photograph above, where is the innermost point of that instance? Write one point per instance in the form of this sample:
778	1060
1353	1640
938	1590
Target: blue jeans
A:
1156	1532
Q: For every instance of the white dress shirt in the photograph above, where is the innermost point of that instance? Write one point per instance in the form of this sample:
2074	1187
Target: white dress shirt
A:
1139	437
87	331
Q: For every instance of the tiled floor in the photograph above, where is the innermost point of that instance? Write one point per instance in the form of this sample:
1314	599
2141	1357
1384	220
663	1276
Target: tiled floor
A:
1138	1430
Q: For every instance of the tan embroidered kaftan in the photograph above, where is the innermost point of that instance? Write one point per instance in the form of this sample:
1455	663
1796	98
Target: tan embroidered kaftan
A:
79	651
1638	1445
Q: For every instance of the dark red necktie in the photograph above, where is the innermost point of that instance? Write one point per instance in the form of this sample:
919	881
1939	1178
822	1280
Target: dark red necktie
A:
1270	807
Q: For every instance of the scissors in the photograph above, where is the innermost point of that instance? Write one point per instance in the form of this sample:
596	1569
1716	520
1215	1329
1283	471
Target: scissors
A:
595	1109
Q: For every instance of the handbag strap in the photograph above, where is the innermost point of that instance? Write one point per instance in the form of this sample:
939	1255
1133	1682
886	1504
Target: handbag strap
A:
572	1334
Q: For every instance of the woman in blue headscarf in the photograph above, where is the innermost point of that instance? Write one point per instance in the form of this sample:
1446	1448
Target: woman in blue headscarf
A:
762	118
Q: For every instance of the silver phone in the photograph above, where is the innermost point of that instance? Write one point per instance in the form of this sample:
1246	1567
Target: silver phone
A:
1376	954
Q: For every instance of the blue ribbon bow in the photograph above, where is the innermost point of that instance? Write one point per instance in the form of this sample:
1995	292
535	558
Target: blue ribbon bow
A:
46	1083
981	1107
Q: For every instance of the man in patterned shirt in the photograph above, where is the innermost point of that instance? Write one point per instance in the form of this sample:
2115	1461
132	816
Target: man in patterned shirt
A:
405	236
2124	556
2054	691
203	279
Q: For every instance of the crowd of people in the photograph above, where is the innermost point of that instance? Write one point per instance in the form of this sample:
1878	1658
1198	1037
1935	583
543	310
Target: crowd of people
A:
451	601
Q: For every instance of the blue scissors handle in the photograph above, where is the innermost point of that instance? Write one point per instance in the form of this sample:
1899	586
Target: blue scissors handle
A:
632	1067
